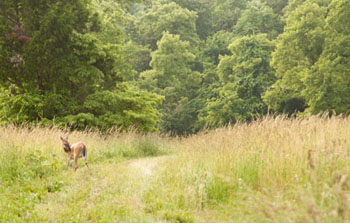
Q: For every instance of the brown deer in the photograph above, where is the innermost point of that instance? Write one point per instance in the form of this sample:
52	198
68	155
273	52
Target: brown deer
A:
75	151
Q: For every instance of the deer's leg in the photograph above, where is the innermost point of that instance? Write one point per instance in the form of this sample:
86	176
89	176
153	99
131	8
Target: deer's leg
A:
86	163
68	161
76	162
85	159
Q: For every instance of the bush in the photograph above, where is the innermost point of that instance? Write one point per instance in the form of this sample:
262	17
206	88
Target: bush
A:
24	178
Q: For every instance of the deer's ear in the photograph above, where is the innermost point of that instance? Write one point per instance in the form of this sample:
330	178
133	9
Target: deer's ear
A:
66	137
61	138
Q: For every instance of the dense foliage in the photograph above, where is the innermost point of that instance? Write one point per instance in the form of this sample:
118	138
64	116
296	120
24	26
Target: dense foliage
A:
63	61
171	65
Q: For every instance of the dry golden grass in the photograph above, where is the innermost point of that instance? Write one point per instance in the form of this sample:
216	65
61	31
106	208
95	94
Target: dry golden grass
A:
275	169
280	146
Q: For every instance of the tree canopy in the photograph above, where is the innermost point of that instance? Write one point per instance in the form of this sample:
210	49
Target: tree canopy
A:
59	55
171	65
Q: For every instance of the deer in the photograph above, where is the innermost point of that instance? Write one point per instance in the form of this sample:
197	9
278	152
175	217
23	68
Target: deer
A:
75	151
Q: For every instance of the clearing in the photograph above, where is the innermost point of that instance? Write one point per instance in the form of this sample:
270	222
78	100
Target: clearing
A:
108	192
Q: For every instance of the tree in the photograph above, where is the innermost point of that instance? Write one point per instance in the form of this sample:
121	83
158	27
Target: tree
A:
138	56
245	76
277	5
166	16
204	10
298	49
123	107
215	46
55	55
327	85
172	77
259	18
47	66
226	13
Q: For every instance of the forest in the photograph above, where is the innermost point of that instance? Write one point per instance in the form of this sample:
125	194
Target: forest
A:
173	66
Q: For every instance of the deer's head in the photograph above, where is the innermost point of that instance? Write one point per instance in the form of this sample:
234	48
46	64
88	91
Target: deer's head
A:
65	143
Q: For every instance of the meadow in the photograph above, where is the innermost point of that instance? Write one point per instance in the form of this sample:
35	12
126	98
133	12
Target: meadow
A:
275	169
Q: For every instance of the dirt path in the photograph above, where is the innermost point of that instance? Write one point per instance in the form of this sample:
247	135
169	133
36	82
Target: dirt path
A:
116	188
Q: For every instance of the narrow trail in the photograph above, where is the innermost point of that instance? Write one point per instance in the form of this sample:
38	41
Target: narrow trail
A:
107	188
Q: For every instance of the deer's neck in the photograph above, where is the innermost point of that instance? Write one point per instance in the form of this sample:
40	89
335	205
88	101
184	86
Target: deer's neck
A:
69	149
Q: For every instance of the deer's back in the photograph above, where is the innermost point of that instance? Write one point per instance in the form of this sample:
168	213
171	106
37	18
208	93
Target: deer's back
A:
79	148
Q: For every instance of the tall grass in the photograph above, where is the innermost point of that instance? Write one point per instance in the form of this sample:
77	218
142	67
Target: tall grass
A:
275	169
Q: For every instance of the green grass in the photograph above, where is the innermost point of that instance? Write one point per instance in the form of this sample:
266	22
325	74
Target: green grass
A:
271	170
36	187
